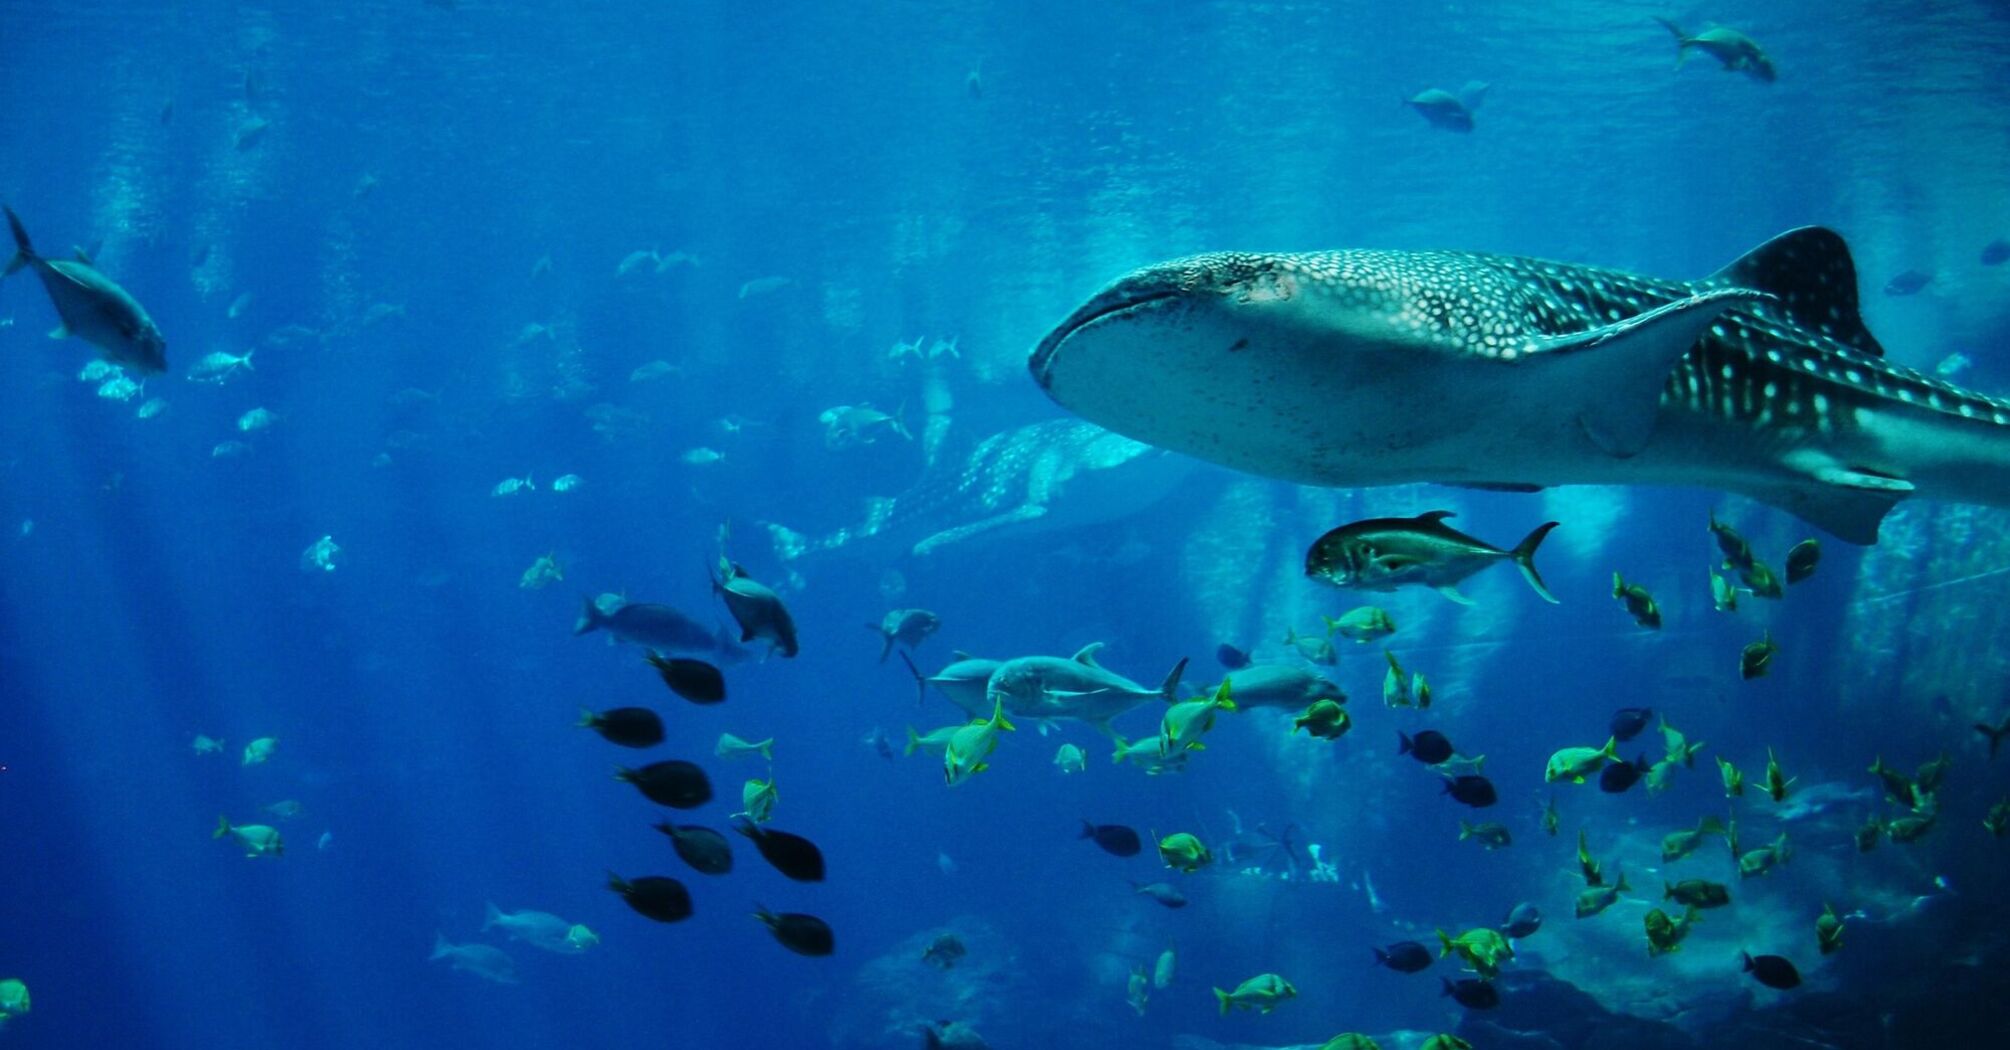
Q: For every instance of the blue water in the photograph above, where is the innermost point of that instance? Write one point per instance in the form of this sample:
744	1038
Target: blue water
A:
931	170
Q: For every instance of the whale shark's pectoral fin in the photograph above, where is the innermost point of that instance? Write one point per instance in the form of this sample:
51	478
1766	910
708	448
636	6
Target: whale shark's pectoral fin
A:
1452	593
1848	502
1016	516
1622	366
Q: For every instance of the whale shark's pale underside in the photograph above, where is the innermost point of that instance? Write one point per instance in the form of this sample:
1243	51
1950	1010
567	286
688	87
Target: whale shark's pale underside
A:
1354	368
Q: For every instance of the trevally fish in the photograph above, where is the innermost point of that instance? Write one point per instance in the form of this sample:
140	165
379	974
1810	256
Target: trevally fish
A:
1077	687
93	307
655	626
1382	554
1286	686
1353	368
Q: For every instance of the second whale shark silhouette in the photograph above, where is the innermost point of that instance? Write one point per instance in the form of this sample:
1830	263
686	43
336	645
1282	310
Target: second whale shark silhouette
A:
1054	474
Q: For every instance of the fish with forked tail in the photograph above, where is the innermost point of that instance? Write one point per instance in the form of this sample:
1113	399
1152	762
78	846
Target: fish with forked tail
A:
92	306
1382	554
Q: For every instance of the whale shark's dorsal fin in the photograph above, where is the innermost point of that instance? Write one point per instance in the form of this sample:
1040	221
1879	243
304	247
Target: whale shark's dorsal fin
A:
1620	368
1811	273
1087	655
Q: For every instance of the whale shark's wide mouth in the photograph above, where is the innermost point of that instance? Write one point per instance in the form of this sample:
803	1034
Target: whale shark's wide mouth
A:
1123	299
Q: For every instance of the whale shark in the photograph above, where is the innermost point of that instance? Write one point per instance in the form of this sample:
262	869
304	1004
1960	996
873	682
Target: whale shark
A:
1054	474
1362	367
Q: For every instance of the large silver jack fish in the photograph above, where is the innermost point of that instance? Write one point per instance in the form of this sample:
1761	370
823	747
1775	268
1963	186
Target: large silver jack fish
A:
1357	368
1060	473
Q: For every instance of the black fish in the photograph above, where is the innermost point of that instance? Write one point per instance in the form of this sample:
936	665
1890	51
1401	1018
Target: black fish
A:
673	782
1996	252
1472	789
700	847
1473	995
1405	957
1801	561
1232	658
792	855
1907	283
1115	839
654	896
1429	747
799	933
1628	722
1616	777
1772	971
627	726
694	680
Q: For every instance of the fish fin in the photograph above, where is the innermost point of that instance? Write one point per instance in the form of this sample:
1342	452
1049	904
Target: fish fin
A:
1028	512
1811	273
1524	559
1849	505
590	618
1433	517
1474	93
83	256
1621	367
493	917
920	683
1170	687
1086	655
1452	592
24	251
61	331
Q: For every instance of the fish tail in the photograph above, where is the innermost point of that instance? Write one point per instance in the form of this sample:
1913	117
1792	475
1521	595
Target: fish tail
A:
492	918
1223	998
590	618
1524	559
441	947
1681	39
25	252
587	719
222	827
920	683
1170	687
885	648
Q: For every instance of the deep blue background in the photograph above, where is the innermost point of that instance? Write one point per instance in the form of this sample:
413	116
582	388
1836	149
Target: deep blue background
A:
423	699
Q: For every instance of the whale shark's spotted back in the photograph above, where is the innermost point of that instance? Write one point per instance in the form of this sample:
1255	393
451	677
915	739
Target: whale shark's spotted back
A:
1345	368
